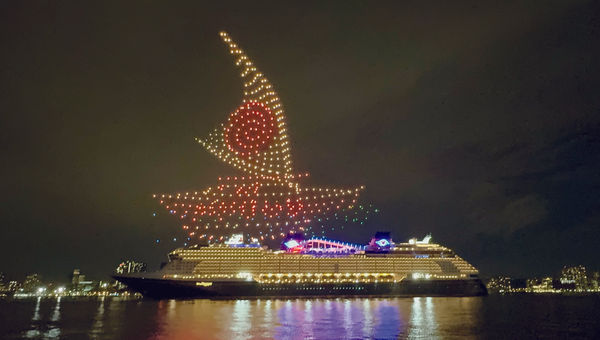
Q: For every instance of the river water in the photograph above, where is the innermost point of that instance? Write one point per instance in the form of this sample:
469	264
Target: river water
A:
491	317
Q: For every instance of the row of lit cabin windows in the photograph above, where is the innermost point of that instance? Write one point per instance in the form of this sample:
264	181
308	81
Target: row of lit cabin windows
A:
313	264
320	269
341	265
296	256
316	262
265	253
341	280
312	288
315	277
319	259
257	249
253	251
233	271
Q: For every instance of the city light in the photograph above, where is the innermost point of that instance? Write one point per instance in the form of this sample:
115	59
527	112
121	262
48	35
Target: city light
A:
572	280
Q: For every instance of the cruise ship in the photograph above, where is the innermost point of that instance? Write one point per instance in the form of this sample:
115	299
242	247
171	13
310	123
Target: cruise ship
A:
310	267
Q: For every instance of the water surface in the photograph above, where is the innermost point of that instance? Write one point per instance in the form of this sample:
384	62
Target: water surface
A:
492	317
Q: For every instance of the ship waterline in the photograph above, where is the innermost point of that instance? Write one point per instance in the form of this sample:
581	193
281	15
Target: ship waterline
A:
315	267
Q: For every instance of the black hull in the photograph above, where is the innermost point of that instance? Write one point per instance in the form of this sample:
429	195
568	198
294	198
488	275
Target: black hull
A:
164	289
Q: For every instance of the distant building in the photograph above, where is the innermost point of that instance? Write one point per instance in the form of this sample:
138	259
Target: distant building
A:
13	286
86	286
79	283
75	277
575	276
129	266
542	285
32	283
3	286
595	282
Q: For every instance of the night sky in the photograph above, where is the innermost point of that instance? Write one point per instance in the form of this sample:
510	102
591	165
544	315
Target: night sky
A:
478	123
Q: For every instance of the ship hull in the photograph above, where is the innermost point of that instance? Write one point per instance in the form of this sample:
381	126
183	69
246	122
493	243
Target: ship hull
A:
170	288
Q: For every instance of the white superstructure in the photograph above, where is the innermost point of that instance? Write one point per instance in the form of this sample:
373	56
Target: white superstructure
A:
412	260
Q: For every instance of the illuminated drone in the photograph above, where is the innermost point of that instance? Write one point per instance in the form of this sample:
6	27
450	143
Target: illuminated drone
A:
267	199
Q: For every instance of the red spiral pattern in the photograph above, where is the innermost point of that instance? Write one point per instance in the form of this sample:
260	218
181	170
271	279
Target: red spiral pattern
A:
250	129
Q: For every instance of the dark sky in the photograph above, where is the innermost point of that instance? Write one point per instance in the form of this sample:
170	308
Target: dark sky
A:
477	122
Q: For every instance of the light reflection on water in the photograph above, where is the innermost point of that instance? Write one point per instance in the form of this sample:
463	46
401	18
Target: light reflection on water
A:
241	319
98	325
34	331
298	319
422	319
56	313
38	328
341	318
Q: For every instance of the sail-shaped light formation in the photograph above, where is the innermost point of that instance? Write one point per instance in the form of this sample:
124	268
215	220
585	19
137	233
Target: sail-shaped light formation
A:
254	138
266	201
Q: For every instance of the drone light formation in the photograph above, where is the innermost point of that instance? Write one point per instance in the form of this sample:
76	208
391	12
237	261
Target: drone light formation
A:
267	201
254	139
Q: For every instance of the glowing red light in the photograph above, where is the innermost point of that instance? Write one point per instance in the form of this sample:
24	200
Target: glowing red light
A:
250	129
